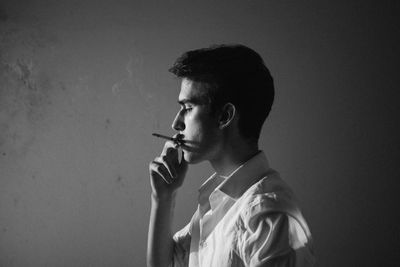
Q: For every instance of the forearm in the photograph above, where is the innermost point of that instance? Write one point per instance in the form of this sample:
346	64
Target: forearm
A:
160	243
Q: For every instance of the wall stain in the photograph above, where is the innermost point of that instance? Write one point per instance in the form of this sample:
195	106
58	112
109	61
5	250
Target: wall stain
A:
122	185
16	202
25	89
108	123
24	97
63	87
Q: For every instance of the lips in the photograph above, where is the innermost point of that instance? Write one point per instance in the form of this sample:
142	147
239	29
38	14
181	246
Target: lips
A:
179	136
185	144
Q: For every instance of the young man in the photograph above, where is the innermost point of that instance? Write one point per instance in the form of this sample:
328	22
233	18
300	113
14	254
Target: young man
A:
247	215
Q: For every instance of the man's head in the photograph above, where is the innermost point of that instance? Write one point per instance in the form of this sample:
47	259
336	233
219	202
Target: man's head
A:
232	74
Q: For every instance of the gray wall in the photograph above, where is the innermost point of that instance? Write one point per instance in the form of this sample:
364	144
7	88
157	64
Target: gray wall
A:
83	84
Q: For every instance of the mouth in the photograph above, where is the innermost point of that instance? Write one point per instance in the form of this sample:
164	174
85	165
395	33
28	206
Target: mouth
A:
188	146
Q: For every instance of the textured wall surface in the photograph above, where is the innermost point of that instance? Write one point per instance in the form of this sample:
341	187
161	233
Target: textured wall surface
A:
83	84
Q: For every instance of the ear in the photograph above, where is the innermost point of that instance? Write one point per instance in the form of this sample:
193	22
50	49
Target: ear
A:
226	116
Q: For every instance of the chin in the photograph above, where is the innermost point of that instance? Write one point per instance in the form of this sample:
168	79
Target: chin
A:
192	158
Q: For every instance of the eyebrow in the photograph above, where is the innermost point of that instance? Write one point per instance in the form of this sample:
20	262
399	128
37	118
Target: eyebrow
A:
195	101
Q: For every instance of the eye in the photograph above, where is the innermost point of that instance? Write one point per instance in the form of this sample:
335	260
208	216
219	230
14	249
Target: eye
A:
186	108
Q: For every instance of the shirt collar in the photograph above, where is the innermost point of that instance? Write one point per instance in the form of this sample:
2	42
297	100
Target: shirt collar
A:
245	176
237	182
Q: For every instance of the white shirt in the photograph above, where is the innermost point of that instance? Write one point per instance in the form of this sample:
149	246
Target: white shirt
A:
250	218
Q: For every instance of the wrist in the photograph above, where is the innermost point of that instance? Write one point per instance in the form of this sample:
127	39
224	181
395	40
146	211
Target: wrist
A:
165	197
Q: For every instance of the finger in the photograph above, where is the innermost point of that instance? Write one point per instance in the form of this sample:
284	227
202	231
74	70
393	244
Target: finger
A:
170	166
183	164
170	149
159	169
182	169
170	155
172	146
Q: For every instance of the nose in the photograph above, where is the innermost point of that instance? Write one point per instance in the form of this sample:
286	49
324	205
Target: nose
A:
178	123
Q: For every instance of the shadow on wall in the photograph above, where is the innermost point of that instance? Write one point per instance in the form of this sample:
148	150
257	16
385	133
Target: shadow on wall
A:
3	14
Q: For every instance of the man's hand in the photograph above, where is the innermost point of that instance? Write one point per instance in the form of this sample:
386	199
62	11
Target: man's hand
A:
166	172
166	176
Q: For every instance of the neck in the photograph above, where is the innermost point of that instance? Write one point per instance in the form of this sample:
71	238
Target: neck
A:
233	155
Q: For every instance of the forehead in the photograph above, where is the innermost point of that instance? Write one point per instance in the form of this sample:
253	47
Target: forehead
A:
192	91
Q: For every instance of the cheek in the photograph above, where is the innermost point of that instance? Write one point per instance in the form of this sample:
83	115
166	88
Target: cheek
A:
200	126
206	133
193	123
192	127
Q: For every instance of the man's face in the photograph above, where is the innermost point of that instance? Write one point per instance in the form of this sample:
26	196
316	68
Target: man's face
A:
196	123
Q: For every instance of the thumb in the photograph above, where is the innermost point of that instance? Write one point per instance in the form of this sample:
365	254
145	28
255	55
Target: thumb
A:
182	170
183	165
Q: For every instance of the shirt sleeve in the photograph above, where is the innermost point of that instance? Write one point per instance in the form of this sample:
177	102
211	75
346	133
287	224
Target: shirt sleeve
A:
181	251
264	240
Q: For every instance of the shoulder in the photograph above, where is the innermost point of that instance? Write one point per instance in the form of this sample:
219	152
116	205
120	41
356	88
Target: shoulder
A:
266	198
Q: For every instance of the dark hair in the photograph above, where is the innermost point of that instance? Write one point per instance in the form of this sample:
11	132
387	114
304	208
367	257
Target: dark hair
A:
235	74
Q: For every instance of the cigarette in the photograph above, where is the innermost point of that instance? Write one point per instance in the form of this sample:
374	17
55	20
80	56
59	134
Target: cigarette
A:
168	138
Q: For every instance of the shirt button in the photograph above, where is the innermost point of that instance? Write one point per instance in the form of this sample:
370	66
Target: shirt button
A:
203	243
